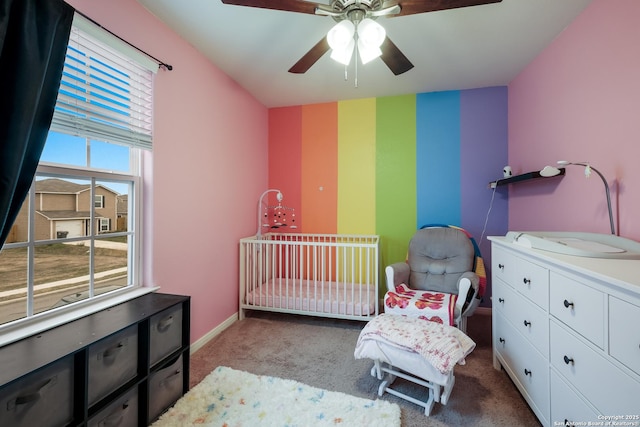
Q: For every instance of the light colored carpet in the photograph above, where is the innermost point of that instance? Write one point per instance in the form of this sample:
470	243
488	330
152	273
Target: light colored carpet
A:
232	398
319	352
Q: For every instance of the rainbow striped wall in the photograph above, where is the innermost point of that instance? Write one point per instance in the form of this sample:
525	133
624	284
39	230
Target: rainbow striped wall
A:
389	165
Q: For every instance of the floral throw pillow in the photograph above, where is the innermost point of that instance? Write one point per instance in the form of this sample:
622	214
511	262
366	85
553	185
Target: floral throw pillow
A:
433	306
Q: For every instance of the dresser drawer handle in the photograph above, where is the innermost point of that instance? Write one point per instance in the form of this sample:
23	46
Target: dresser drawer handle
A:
501	266
527	323
501	340
527	372
568	304
526	281
568	361
500	299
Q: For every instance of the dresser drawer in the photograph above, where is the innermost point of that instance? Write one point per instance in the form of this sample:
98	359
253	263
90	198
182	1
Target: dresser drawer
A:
42	398
502	264
567	407
123	412
526	317
580	307
528	278
165	387
165	334
624	337
609	389
112	362
526	366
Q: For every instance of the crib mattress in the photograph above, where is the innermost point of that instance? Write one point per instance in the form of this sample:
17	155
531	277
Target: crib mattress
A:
311	296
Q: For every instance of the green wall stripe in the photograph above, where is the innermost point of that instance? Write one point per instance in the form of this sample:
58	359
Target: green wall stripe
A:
395	176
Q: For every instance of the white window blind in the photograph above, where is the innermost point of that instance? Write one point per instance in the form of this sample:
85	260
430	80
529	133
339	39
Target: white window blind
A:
104	94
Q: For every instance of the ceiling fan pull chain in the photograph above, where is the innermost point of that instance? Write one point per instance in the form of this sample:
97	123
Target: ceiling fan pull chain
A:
356	61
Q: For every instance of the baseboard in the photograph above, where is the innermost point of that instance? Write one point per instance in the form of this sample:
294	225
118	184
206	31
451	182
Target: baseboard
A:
485	311
213	333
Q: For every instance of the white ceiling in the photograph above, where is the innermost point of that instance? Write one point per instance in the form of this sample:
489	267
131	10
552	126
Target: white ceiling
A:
465	48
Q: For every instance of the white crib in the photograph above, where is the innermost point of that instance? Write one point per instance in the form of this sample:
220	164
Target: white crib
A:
326	275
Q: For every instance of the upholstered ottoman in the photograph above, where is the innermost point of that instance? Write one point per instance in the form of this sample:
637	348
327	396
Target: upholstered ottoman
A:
418	350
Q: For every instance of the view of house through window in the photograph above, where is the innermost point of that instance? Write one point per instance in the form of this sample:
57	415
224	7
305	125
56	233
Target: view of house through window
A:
76	235
79	248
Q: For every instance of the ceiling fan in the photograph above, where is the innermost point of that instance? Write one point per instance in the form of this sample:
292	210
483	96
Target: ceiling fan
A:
356	11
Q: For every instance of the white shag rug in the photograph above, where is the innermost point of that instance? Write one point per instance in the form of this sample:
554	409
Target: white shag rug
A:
232	398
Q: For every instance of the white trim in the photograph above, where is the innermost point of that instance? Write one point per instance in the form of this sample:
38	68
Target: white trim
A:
20	329
197	345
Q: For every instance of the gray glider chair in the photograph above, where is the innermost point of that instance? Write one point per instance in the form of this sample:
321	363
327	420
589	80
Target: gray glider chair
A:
440	260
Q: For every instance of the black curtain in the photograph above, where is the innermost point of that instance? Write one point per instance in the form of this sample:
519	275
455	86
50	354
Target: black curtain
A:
33	42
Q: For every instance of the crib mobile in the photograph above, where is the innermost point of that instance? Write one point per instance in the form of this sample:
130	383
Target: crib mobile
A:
275	216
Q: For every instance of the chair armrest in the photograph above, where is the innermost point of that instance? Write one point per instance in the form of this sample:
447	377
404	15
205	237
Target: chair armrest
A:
468	288
396	274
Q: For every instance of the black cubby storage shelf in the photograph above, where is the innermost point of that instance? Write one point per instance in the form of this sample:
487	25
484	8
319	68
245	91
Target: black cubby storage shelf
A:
125	364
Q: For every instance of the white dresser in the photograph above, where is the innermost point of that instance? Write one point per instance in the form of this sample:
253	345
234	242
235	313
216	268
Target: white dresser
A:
567	331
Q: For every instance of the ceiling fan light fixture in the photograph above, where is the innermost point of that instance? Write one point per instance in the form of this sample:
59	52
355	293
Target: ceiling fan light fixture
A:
368	53
340	36
343	54
371	33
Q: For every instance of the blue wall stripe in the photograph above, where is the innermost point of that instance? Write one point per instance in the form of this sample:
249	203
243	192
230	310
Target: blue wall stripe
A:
438	158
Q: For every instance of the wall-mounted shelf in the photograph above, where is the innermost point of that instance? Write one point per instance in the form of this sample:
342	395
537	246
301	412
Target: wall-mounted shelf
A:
522	177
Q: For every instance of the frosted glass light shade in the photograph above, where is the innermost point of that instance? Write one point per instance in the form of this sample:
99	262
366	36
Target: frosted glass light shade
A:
370	38
340	39
371	33
368	53
343	55
341	34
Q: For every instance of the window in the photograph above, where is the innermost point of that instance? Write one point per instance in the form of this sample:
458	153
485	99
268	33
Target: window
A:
104	225
77	235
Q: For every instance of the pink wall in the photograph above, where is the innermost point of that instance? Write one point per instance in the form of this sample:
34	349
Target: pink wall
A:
579	100
209	166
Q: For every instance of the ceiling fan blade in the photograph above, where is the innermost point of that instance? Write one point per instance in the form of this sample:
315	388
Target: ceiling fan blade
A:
310	57
300	6
394	58
411	7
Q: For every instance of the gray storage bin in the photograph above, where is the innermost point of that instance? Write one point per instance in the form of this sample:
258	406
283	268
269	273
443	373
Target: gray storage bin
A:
112	362
123	412
165	333
165	388
43	398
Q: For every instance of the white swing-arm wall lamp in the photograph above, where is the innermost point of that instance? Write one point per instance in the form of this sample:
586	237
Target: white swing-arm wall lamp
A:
587	173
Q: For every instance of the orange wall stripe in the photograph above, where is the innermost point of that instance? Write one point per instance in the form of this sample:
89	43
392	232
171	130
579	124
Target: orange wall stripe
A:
320	168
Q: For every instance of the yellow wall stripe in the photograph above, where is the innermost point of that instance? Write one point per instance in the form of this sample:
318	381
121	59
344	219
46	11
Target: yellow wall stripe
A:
356	166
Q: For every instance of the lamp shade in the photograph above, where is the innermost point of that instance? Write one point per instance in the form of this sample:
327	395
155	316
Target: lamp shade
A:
343	54
368	52
341	34
340	39
371	35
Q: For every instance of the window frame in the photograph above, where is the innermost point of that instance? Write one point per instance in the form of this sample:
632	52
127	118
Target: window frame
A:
98	201
34	323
